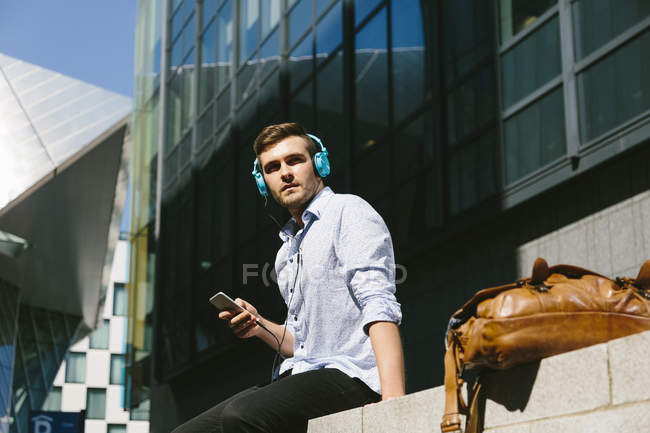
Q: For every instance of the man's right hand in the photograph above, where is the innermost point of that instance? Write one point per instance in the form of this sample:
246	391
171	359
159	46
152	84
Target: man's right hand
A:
243	323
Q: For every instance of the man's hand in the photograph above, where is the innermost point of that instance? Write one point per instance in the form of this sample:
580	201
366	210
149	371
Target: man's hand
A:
242	324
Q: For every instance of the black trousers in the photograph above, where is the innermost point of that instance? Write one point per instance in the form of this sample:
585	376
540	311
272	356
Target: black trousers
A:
283	406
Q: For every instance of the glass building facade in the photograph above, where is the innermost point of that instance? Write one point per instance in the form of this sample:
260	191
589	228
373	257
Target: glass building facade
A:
42	340
455	119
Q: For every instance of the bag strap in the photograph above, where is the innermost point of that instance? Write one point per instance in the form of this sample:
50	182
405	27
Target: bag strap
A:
454	403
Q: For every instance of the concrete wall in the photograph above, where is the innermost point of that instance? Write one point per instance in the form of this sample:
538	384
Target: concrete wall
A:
601	389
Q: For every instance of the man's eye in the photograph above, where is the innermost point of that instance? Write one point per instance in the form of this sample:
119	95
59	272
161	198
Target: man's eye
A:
271	168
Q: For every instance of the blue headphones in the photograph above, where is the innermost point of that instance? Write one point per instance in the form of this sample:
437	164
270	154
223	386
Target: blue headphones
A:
321	163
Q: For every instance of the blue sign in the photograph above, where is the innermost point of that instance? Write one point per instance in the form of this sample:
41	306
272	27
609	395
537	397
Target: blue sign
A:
56	422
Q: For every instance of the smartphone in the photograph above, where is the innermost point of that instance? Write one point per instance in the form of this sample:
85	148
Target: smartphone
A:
224	302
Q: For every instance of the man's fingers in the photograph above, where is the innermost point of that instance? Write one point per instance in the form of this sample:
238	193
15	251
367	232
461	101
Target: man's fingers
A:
242	332
226	315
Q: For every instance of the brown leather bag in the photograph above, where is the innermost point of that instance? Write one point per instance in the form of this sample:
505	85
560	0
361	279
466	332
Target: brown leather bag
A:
558	309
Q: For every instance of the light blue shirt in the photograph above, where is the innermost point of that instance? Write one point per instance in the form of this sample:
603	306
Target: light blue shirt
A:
345	267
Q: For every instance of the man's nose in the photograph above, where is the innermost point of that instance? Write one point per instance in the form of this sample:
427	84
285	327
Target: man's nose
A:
285	172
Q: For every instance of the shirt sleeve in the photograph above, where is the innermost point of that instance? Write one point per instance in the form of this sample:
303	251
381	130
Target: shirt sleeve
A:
365	249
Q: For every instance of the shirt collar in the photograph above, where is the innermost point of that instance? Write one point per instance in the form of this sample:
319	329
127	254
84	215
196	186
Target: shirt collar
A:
314	210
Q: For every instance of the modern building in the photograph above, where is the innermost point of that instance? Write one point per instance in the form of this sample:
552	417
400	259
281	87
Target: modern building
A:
482	131
92	376
63	184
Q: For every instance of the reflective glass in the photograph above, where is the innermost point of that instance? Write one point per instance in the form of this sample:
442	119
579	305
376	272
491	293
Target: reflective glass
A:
535	136
468	36
53	400
75	367
187	104
329	100
100	337
177	54
408	58
207	80
224	45
532	63
411	151
177	23
321	5
300	62
116	428
270	15
596	22
246	80
117	369
189	34
209	9
96	403
249	25
300	19
362	8
206	125
371	80
270	53
472	175
270	102
329	32
471	105
223	106
301	107
173	112
140	412
517	15
120	299
615	89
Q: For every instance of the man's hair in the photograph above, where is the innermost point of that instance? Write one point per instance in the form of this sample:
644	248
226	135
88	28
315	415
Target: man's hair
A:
272	134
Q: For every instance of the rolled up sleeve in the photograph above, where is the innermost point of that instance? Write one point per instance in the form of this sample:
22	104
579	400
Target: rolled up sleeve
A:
366	251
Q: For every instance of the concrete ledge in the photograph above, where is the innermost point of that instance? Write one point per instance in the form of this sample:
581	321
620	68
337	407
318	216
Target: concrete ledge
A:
602	388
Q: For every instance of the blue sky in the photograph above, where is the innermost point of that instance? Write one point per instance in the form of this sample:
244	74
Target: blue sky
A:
90	40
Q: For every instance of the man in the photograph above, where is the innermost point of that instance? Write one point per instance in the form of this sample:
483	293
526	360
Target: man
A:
336	273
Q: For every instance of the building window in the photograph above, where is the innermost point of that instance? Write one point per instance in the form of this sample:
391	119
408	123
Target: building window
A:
615	89
99	338
598	22
75	367
141	412
517	15
535	136
531	63
119	300
96	403
117	369
53	400
532	87
371	78
116	428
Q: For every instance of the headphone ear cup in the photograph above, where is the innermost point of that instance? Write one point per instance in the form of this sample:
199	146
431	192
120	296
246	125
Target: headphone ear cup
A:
322	164
261	184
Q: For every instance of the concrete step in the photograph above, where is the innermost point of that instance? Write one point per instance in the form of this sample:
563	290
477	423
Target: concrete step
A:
599	389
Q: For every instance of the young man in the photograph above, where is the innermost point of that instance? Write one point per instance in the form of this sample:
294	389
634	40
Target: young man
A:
336	274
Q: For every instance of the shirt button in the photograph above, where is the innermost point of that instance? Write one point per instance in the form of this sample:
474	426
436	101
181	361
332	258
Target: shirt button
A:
290	290
302	346
291	259
295	318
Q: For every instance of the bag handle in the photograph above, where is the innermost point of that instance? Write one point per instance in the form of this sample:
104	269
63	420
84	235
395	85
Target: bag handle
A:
643	279
454	403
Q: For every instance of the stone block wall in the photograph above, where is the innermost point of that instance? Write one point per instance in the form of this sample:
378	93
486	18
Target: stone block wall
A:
600	389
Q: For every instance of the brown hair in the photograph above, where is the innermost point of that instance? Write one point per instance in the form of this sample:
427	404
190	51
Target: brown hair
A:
274	133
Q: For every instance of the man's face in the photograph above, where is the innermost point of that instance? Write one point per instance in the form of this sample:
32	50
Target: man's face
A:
289	173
